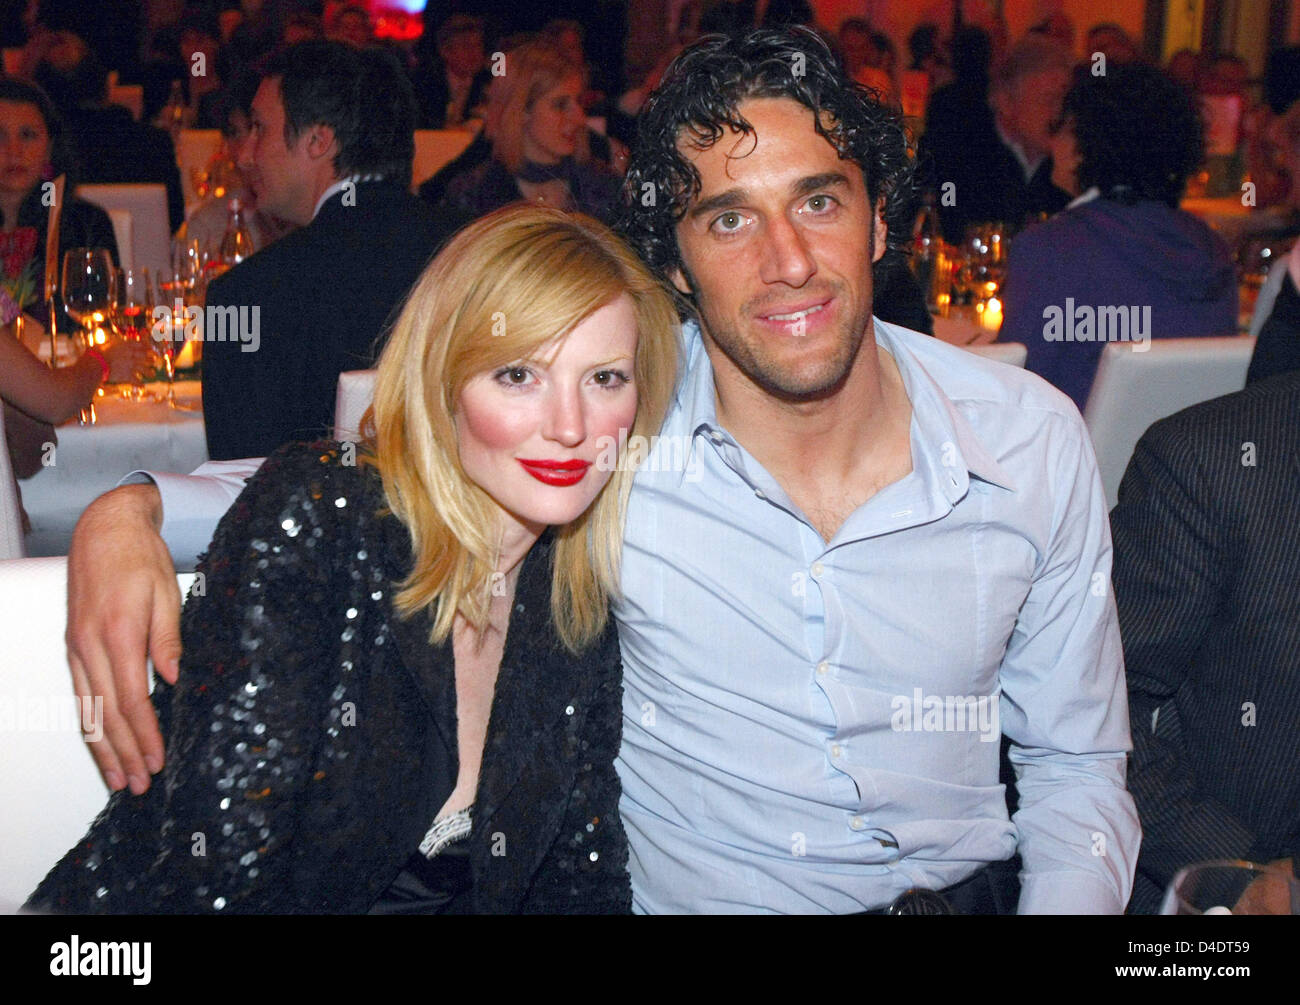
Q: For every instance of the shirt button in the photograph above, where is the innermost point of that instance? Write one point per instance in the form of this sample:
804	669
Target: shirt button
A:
818	568
759	493
857	823
822	667
715	436
836	750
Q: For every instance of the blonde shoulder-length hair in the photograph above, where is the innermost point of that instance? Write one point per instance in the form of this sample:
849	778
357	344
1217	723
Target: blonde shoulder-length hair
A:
503	287
532	71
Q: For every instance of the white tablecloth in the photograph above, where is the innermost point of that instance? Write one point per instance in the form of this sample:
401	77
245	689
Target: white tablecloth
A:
90	460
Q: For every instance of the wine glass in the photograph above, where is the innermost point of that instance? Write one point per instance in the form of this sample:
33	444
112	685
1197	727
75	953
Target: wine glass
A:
1231	886
89	293
182	277
135	315
984	260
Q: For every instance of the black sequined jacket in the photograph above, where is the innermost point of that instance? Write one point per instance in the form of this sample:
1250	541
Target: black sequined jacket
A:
303	737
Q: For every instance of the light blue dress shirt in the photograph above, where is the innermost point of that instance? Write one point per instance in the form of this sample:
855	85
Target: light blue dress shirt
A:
814	726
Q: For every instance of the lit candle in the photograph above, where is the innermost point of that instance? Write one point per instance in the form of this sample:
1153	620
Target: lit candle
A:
991	314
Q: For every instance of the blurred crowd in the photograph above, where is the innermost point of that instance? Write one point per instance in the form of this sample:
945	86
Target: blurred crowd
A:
1009	132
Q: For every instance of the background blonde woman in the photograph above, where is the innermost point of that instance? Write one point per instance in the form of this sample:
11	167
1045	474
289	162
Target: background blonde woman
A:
540	150
401	691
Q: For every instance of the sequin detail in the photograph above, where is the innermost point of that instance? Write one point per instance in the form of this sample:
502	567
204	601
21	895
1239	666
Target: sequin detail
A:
445	831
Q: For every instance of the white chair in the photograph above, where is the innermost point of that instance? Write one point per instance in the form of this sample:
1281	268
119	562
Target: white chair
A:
356	389
124	232
11	518
150	232
434	149
1134	389
194	149
50	789
1011	353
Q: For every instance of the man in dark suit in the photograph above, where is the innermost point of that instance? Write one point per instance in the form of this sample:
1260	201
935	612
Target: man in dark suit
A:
451	82
987	155
330	149
1277	350
111	148
1207	580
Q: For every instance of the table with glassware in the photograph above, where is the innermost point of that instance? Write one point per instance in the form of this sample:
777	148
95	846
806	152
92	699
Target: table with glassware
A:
963	284
156	426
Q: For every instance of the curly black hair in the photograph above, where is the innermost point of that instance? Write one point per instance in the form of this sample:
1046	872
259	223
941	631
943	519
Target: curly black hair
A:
1138	132
699	97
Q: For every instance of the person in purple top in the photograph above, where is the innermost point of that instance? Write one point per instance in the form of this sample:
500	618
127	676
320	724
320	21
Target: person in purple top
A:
1122	263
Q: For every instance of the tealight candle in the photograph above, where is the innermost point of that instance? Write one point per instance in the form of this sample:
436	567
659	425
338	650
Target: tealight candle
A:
990	314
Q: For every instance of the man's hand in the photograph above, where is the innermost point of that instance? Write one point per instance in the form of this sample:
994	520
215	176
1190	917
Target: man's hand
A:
123	602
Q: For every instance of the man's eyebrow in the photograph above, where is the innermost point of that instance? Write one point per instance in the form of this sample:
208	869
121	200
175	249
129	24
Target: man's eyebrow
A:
733	197
723	200
828	179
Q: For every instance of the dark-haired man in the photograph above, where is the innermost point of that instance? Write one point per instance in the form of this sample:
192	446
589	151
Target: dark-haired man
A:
855	558
1207	579
330	150
110	146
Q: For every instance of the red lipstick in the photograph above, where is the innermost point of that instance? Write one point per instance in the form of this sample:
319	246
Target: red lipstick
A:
560	473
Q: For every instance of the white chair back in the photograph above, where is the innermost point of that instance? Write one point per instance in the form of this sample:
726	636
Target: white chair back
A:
1134	389
434	149
124	232
11	519
194	149
50	789
355	391
1011	353
150	231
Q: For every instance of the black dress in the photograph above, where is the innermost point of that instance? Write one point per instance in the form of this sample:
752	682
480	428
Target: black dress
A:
311	738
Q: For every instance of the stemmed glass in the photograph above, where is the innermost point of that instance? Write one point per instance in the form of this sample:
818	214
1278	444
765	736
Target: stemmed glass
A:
182	288
89	293
983	261
181	280
134	314
1231	886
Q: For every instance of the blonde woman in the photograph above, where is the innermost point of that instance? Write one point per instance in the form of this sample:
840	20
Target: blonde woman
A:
401	688
538	132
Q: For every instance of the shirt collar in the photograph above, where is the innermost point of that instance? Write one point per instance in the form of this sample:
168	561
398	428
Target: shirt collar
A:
1026	165
339	186
1085	197
937	418
939	424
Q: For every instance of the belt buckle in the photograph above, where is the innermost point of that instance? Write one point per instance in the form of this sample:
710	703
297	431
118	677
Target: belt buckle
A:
919	901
